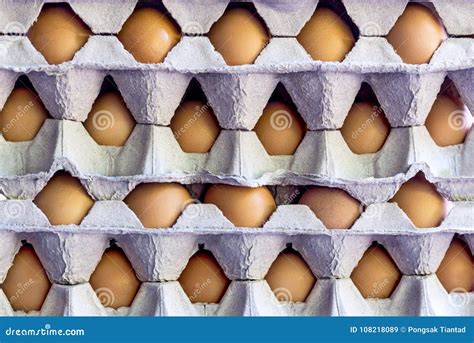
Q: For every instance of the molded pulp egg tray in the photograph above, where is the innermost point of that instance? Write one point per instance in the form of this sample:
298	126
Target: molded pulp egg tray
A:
323	93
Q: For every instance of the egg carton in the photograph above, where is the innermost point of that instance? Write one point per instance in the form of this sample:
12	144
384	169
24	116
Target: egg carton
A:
414	296
70	252
322	91
153	152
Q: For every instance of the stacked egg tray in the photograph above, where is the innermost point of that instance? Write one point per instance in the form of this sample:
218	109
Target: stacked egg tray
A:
323	93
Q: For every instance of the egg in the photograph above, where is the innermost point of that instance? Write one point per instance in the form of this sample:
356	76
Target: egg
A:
449	121
63	200
158	205
149	35
280	129
58	33
243	206
456	272
114	280
26	284
203	279
239	36
334	207
376	275
109	121
290	278
365	128
195	127
22	116
326	37
417	34
421	202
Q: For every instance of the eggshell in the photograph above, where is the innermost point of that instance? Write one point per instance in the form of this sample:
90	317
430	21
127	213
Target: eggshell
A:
376	275
114	280
290	278
280	129
326	37
417	34
195	127
243	206
334	207
58	33
158	204
203	279
238	36
365	128
109	121
421	202
26	285
449	121
456	271
22	116
149	35
63	200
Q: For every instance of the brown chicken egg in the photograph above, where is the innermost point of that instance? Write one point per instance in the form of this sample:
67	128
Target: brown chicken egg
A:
195	127
243	206
63	200
22	116
239	36
334	207
456	272
280	129
365	128
417	34
158	205
421	202
58	33
376	275
449	121
326	37
290	278
26	285
114	280
109	121
149	35
203	279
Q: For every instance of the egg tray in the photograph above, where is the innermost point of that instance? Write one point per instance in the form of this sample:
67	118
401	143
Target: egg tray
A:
322	92
69	255
329	297
153	153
